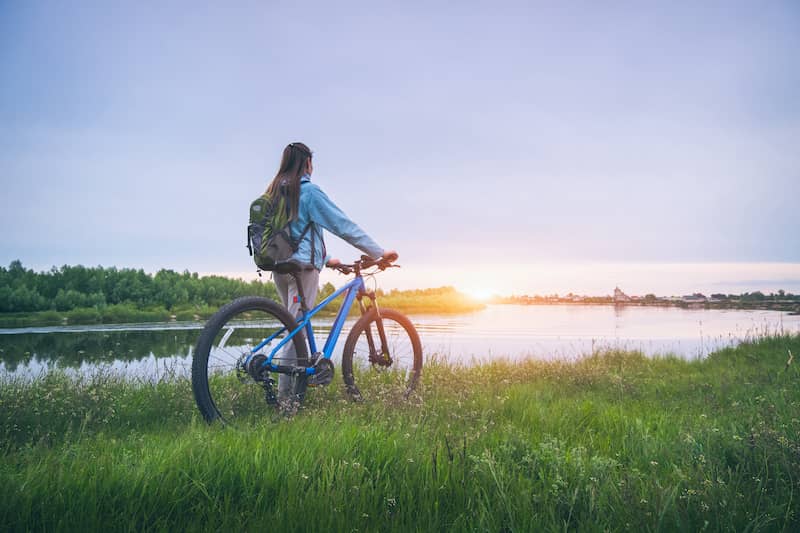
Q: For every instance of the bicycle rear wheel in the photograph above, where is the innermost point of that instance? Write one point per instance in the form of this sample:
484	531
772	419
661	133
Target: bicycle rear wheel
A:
223	388
371	368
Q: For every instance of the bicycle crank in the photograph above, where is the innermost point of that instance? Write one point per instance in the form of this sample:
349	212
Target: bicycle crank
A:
324	373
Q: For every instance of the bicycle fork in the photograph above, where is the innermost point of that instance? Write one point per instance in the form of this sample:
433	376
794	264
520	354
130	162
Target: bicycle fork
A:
382	357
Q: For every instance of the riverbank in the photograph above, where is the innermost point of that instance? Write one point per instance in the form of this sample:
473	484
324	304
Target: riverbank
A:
791	307
444	300
613	442
77	295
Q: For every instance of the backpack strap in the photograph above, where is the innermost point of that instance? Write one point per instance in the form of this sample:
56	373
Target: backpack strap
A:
309	226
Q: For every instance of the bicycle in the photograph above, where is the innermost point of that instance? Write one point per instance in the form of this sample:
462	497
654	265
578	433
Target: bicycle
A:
238	350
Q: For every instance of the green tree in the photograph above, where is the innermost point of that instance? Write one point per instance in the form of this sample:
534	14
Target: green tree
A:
326	291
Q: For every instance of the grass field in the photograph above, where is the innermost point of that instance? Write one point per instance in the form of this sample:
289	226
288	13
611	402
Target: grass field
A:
613	442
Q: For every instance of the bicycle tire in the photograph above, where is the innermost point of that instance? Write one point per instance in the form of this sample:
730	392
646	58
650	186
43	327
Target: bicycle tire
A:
403	371
222	389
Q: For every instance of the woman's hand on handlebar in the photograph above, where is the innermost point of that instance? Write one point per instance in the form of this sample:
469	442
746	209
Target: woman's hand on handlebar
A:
383	262
386	260
335	264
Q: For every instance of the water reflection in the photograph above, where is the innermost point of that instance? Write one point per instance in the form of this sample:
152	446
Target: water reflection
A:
143	350
73	349
558	331
570	331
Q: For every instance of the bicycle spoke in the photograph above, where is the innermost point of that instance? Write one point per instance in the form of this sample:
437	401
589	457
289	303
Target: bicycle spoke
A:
223	388
372	368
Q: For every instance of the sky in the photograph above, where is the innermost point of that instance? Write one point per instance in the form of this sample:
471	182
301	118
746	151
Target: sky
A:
501	147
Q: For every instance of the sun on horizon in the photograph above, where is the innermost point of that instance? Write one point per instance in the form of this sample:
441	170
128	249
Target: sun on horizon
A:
478	293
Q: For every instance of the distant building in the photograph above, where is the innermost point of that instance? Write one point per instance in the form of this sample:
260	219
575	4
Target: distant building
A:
695	298
620	297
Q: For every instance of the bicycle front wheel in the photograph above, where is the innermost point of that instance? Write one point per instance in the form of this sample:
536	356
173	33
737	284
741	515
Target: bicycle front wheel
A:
223	388
382	356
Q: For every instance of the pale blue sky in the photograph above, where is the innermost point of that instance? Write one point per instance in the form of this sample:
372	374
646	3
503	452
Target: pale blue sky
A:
479	133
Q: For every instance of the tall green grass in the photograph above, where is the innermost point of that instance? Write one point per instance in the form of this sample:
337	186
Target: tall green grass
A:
613	442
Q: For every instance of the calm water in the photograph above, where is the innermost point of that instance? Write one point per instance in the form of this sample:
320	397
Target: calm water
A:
509	331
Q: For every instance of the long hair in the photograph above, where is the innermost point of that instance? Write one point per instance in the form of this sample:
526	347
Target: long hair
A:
287	180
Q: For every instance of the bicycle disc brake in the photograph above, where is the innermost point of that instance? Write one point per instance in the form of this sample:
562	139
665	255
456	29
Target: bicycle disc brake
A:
381	359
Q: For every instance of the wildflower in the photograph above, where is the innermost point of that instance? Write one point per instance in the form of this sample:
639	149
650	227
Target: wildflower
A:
653	463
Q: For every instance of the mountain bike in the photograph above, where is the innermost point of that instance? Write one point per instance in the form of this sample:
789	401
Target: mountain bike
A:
247	342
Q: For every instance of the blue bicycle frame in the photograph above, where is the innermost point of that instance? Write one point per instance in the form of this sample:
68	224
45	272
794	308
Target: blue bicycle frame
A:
352	288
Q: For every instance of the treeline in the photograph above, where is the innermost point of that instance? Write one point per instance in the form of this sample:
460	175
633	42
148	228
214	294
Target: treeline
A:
758	296
92	295
439	300
77	287
436	300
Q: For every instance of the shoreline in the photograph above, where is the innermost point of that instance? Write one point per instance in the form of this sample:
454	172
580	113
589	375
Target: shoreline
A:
11	322
94	317
790	308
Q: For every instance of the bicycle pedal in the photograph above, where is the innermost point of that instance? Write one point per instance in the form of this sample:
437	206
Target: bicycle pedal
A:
323	375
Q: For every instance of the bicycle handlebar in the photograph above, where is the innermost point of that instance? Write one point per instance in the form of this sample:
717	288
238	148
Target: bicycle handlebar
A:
367	262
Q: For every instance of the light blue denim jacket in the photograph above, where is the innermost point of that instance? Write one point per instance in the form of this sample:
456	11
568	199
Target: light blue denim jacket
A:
317	208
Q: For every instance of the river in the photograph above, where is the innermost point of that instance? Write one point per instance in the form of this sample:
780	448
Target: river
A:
499	331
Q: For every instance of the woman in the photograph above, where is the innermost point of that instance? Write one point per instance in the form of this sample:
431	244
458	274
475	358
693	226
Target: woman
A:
310	211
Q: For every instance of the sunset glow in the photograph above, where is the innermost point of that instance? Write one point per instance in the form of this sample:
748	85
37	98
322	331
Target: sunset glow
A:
478	293
597	279
539	165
